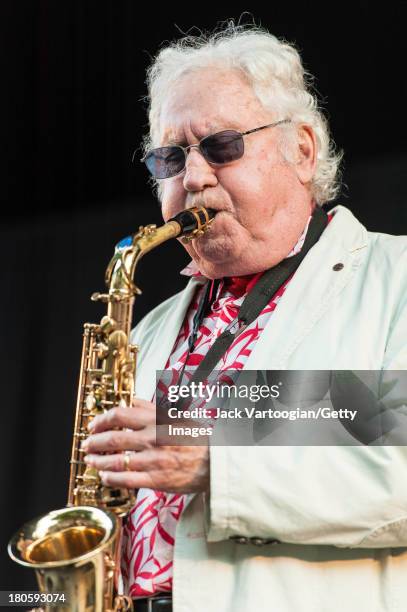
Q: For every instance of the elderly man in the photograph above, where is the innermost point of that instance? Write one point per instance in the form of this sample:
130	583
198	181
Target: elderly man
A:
235	128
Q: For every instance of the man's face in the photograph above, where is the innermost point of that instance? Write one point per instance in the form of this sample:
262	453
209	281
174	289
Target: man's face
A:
263	201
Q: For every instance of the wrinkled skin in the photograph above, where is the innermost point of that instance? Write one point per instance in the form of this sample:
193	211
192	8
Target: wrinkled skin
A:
170	468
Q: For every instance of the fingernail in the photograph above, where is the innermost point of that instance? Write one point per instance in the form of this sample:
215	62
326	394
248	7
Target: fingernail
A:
84	444
91	425
122	404
86	458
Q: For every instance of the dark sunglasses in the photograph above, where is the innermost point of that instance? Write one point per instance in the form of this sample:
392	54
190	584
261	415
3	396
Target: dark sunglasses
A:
219	148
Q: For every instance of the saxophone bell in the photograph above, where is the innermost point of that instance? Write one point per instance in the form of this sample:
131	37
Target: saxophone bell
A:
72	552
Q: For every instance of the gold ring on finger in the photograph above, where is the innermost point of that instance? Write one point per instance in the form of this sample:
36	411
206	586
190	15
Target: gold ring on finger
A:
126	460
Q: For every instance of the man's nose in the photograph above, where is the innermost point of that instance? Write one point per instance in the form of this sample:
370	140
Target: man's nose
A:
198	172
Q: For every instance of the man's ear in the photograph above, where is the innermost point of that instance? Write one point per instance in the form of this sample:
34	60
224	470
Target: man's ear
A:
306	154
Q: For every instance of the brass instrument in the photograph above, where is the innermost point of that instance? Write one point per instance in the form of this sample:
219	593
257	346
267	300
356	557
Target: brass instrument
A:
76	550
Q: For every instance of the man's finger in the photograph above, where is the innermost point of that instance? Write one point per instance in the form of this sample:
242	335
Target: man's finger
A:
119	462
135	417
113	441
129	480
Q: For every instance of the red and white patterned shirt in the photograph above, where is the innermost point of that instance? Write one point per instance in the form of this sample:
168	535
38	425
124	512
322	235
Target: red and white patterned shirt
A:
149	534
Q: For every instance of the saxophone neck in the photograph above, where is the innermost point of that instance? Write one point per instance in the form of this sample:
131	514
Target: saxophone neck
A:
122	267
188	225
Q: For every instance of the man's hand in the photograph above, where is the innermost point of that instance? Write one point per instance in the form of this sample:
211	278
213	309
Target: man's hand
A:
176	469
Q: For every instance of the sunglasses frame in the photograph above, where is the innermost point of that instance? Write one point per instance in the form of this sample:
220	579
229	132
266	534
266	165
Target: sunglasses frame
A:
198	146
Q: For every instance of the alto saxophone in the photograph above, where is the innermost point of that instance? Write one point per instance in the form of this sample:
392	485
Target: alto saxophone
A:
76	550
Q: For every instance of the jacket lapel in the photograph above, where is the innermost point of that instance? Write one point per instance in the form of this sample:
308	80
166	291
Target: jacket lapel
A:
311	291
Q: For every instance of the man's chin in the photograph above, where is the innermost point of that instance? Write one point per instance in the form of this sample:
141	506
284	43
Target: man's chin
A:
213	264
219	250
215	250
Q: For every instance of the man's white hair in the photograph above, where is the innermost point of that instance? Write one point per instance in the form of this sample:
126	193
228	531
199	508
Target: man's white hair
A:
273	68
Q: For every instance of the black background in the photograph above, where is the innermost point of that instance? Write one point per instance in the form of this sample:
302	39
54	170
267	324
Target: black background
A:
72	75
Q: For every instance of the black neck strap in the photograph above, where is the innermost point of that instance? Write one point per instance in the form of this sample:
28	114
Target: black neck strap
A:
255	301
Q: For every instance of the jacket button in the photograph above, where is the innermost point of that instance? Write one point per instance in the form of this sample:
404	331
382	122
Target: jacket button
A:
263	541
257	541
239	539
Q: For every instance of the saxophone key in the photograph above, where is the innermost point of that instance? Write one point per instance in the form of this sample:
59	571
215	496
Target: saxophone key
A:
82	435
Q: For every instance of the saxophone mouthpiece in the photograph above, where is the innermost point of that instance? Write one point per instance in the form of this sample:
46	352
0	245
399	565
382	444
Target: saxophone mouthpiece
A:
194	222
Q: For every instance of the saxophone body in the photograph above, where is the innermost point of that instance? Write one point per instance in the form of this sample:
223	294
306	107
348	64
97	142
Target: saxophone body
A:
76	550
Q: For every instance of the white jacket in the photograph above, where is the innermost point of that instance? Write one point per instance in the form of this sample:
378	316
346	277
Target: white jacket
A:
339	512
